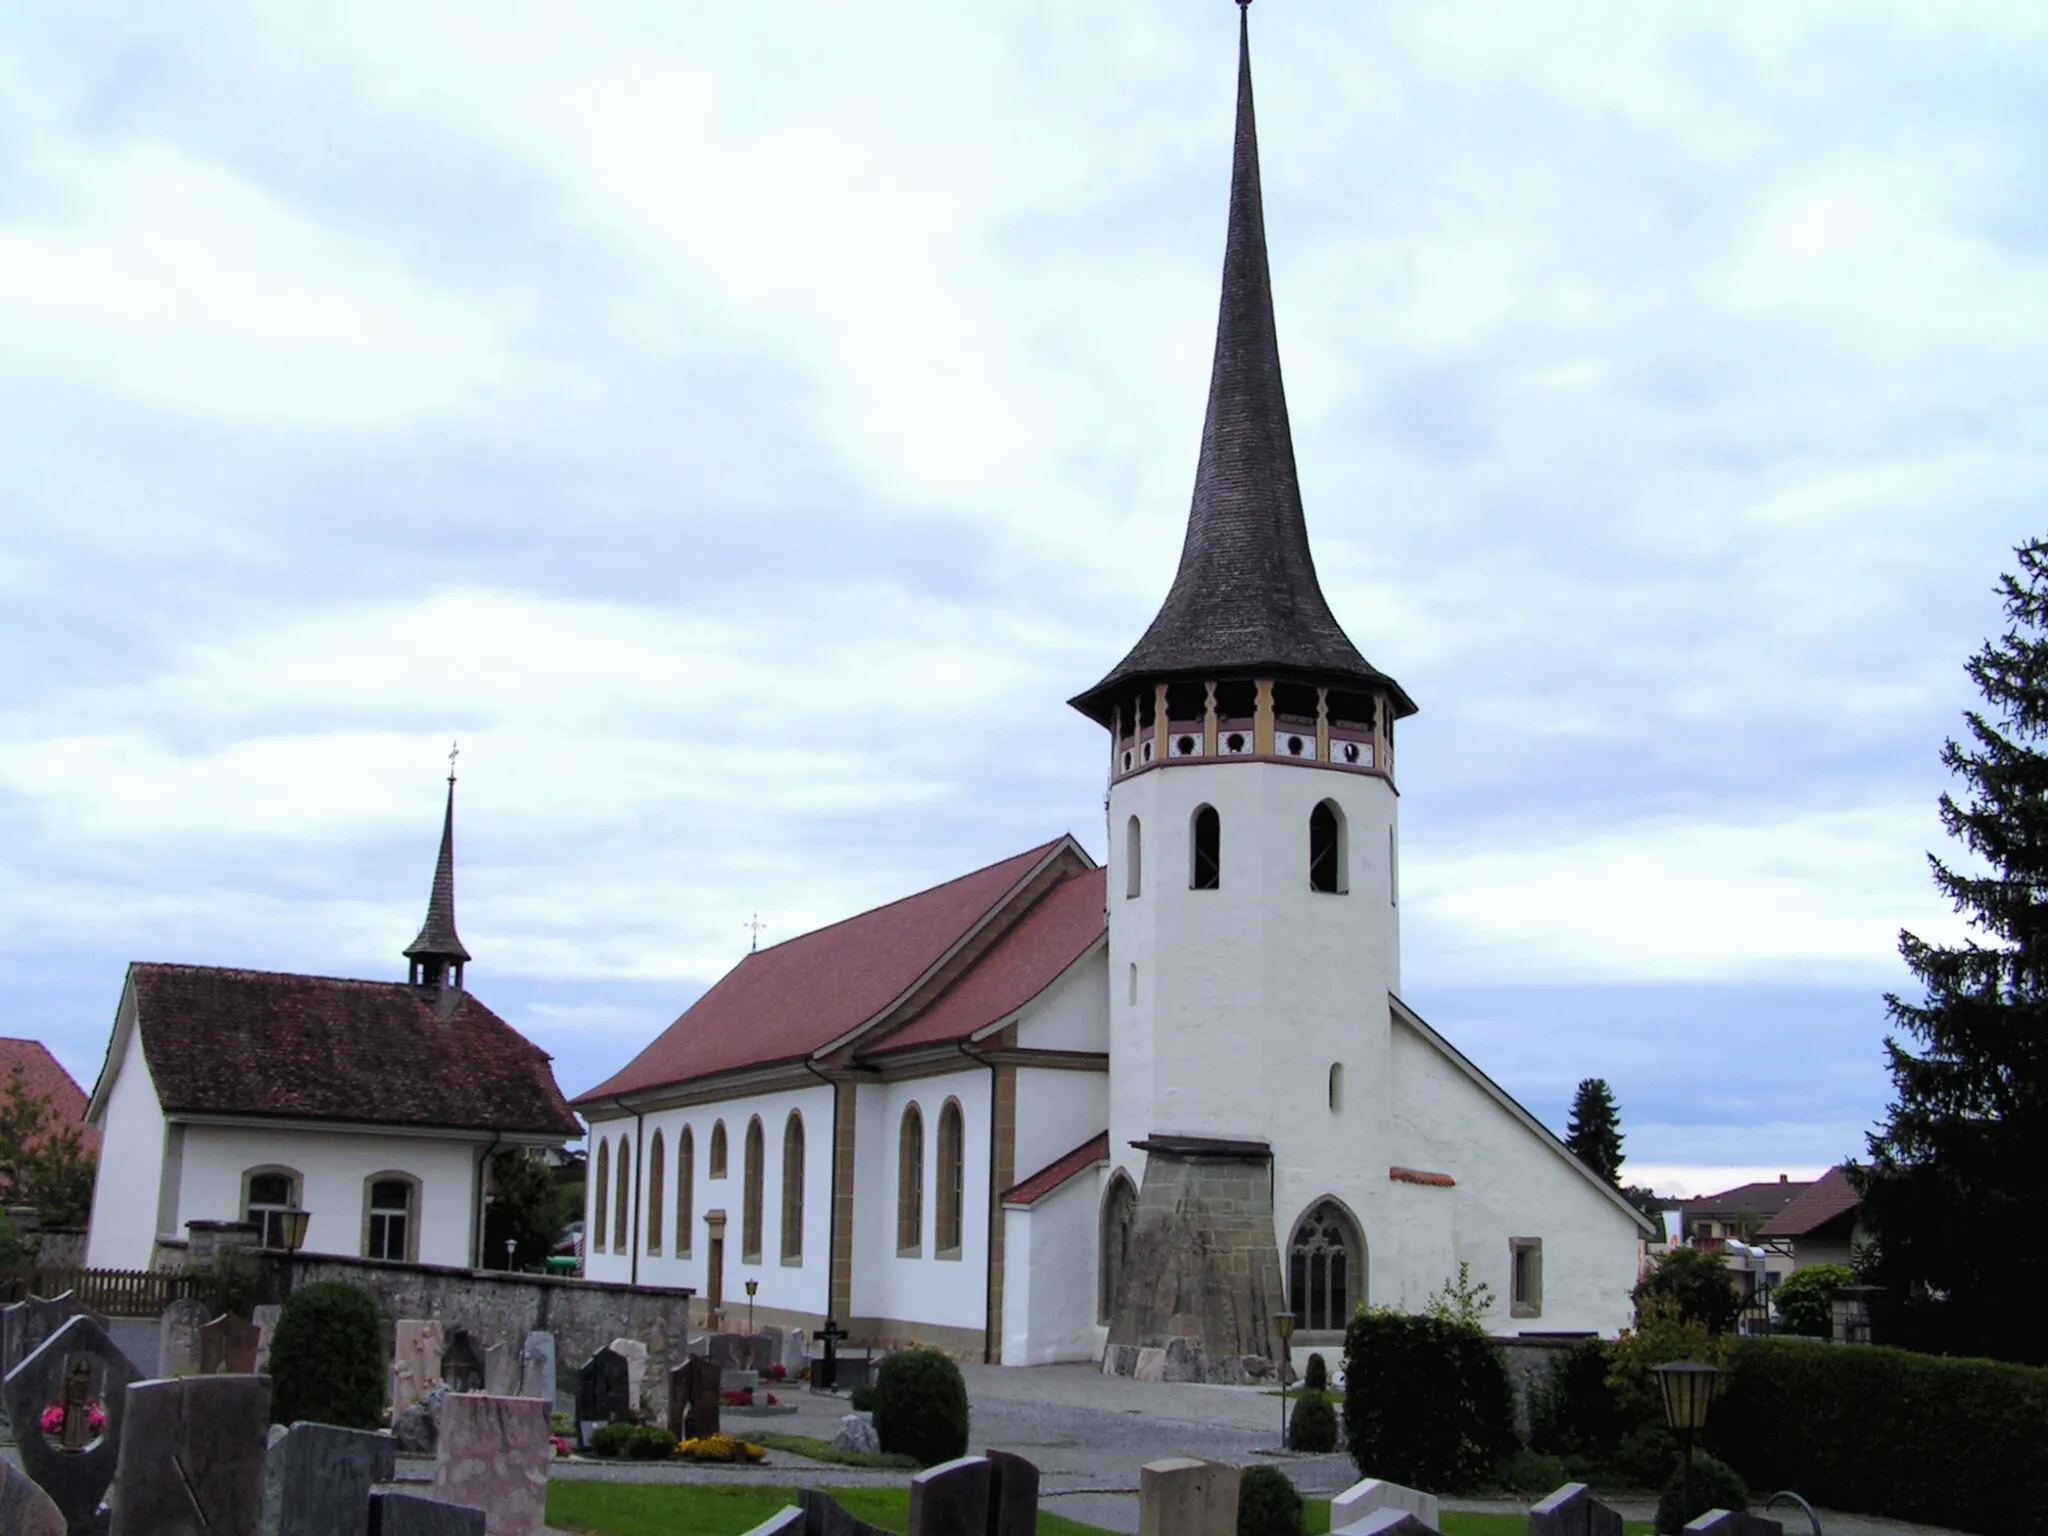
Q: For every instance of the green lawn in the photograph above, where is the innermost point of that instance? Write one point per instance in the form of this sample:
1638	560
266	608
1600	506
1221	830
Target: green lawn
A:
825	1450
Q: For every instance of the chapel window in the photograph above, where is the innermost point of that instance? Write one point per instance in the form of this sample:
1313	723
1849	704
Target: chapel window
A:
1119	1210
793	1189
717	1168
600	1186
1326	848
1336	1087
1525	1277
1205	869
952	1171
622	1202
686	1191
391	1219
750	1195
271	1192
1134	862
657	1158
910	1184
1324	1277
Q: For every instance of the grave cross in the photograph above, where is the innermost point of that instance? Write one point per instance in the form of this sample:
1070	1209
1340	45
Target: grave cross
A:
826	1378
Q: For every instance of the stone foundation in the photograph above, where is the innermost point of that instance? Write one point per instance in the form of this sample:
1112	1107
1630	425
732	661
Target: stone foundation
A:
1201	1280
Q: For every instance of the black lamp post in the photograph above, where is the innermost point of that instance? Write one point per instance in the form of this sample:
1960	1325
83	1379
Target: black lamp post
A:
752	1286
1283	1325
1688	1389
291	1237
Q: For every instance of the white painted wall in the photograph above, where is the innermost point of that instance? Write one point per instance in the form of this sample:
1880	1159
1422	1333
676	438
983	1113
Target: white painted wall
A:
1073	1013
1049	1278
925	1289
123	1229
1056	1112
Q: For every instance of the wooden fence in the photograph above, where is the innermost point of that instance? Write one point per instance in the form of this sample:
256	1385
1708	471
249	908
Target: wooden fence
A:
110	1292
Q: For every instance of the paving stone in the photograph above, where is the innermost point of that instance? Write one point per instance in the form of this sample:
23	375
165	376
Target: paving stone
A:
494	1456
191	1459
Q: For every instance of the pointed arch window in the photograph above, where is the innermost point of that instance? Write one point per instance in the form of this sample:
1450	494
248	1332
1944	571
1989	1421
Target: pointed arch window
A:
717	1168
793	1189
910	1183
657	1160
1134	857
600	1190
1119	1211
686	1191
1205	862
1325	1269
622	1202
951	1176
1326	849
750	1195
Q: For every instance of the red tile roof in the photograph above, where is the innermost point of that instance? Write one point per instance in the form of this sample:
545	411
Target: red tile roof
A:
1049	1178
793	998
269	1043
1765	1198
1020	965
1831	1197
45	1079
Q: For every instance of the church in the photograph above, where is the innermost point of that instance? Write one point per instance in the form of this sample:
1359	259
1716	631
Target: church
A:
1134	1114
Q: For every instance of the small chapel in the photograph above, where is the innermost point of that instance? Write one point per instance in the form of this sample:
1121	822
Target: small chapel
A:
1134	1114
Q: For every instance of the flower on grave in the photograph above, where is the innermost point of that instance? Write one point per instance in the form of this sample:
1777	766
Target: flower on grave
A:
776	1372
719	1448
52	1420
561	1445
771	1399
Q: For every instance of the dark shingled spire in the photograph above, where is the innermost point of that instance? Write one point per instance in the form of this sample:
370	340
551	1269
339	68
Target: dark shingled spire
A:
1246	598
437	940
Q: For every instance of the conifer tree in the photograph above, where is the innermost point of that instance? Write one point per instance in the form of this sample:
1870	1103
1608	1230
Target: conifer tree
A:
1955	1190
1594	1134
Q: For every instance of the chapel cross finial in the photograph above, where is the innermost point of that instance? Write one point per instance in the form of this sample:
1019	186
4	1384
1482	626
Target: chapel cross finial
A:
754	925
454	751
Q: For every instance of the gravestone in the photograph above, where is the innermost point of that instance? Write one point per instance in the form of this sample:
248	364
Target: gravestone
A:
1569	1511
1388	1522
323	1476
415	1361
25	1510
501	1370
796	1354
265	1318
408	1514
951	1499
462	1366
417	1431
537	1367
693	1389
824	1517
177	1337
784	1522
1187	1496
495	1453
636	1368
856	1432
601	1390
1376	1493
1012	1495
228	1344
25	1325
192	1458
75	1481
825	1374
1729	1522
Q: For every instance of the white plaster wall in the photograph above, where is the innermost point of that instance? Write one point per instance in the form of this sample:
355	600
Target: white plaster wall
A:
1073	1013
1056	1112
924	1289
123	1229
609	1263
333	1167
1049	1278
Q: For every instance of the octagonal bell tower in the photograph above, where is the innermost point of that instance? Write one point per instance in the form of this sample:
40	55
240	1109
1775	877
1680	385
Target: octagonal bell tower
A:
1253	906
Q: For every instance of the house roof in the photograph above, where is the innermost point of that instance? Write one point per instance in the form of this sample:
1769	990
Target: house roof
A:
1765	1198
1091	1153
44	1078
795	998
274	1044
1828	1199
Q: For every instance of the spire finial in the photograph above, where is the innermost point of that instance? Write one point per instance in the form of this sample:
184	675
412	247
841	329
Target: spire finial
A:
455	747
754	925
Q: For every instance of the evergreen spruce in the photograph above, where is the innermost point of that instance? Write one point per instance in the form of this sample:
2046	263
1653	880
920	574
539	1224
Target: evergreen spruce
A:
1958	1180
1594	1134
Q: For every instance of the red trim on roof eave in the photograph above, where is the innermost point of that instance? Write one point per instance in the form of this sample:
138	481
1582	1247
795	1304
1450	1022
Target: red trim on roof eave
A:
1416	1176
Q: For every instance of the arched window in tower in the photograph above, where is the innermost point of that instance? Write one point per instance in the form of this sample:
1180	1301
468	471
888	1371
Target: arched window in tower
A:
750	1196
1326	849
622	1202
1325	1269
1205	863
951	1175
686	1191
657	1158
600	1187
1134	860
793	1189
910	1183
1336	1087
1119	1211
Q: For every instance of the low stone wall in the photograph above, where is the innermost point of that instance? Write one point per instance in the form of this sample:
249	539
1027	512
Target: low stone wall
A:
1528	1357
60	1248
496	1306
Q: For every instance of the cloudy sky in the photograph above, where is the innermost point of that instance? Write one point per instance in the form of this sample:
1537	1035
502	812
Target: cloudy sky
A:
744	426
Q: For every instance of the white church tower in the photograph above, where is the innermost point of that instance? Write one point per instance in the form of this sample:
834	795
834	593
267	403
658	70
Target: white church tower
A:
1254	934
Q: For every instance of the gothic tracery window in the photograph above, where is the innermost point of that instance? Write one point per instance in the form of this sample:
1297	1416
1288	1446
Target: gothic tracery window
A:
1324	1276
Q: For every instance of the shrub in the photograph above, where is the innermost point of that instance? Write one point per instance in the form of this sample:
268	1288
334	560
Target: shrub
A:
234	1282
1531	1475
921	1406
1314	1425
1268	1504
1801	1300
612	1439
1698	1283
1714	1486
1426	1401
1574	1410
1315	1375
327	1357
1661	1335
649	1442
862	1398
1646	1456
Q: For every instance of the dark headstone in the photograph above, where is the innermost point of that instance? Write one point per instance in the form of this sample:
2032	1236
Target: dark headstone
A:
784	1522
693	1390
950	1499
25	1510
408	1514
1573	1511
1012	1495
228	1343
603	1388
824	1517
192	1458
825	1374
462	1367
25	1325
416	1430
75	1481
325	1476
1391	1522
1727	1522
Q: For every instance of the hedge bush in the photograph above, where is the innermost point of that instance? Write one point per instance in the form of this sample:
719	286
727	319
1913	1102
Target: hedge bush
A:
921	1406
650	1442
1313	1428
1268	1504
1426	1401
613	1439
327	1357
1574	1409
1713	1485
1880	1431
1315	1376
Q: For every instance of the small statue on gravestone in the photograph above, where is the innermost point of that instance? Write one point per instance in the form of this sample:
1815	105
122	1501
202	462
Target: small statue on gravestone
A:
77	1431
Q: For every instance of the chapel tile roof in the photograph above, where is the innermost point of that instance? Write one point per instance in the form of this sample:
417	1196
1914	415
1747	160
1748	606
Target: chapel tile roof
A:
1828	1199
270	1043
791	999
1030	1191
44	1078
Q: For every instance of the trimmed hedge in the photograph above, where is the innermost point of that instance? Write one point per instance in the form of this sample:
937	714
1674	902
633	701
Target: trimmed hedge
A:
1268	1504
921	1406
1313	1428
1879	1431
327	1357
1426	1401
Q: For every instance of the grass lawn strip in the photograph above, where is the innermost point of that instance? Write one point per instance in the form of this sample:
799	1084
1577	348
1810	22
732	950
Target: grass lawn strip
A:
825	1450
721	1509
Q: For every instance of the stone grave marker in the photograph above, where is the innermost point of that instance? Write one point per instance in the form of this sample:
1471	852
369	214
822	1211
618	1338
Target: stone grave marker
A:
1569	1511
784	1522
25	1325
951	1499
323	1475
409	1514
1728	1522
25	1510
76	1481
265	1318
796	1353
537	1367
636	1368
1389	1522
192	1458
824	1517
462	1366
1012	1495
1187	1496
1376	1493
177	1337
501	1370
601	1390
228	1343
415	1361
693	1389
494	1456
